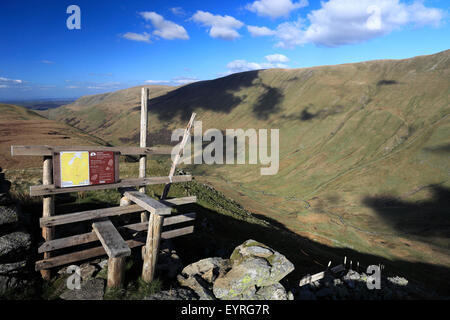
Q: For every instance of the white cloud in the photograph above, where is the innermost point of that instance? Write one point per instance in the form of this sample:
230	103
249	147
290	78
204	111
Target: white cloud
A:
222	27
178	11
176	80
241	66
275	8
47	62
260	31
272	61
184	80
11	81
164	28
156	81
104	86
143	37
2	86
290	34
276	57
72	87
341	22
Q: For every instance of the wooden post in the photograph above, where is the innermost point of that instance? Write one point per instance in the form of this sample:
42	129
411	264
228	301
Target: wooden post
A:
178	155
48	209
116	272
143	143
152	247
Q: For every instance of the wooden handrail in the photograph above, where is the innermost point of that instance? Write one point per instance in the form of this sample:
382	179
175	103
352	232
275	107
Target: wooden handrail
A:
44	190
50	150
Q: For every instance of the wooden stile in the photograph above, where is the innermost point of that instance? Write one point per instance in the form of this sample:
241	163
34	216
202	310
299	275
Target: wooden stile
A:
113	243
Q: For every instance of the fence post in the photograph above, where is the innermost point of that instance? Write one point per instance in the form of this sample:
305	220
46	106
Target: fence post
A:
48	209
152	247
143	143
116	272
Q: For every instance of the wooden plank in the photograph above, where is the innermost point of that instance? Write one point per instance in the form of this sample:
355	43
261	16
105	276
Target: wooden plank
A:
44	190
149	204
178	155
100	251
177	232
67	242
111	239
309	279
88	215
48	209
81	255
49	150
181	218
52	221
179	201
92	236
143	226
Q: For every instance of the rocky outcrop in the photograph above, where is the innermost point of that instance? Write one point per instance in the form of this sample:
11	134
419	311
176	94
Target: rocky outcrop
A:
174	294
352	285
15	243
253	272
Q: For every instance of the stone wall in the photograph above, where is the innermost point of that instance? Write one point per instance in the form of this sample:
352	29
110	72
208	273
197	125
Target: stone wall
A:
15	244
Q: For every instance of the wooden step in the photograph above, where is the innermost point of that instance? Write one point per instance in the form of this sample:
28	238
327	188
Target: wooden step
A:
147	203
111	239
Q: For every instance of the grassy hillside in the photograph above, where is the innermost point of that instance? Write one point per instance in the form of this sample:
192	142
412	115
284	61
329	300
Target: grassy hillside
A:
107	115
21	126
363	148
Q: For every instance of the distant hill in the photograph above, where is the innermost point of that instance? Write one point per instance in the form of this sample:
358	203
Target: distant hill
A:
364	147
21	126
108	114
40	104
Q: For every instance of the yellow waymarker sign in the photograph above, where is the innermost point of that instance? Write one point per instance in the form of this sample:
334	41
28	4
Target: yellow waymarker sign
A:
74	168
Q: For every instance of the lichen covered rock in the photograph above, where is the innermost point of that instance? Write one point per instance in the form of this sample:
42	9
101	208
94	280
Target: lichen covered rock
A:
254	265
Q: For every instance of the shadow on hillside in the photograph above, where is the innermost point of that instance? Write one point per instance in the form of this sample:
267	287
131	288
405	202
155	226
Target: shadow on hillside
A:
307	115
386	82
439	149
217	95
268	102
217	234
429	218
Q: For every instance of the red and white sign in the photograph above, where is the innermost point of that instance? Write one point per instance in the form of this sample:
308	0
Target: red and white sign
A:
101	167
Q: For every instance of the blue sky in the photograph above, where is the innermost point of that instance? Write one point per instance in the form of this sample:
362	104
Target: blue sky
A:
128	43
